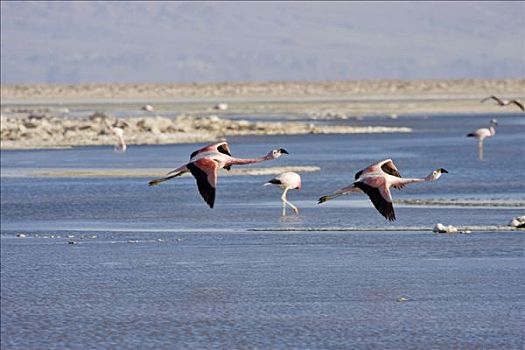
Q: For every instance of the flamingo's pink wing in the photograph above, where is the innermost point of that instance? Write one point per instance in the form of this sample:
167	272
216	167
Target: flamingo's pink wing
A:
224	148
390	168
205	172
214	147
371	168
380	196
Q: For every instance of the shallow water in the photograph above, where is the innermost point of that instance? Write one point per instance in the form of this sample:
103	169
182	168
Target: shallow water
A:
156	268
264	290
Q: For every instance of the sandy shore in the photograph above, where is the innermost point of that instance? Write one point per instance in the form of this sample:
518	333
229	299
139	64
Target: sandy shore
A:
285	91
33	130
37	116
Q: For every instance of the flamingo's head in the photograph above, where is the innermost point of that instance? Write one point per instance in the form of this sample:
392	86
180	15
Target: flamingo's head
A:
494	122
436	174
276	153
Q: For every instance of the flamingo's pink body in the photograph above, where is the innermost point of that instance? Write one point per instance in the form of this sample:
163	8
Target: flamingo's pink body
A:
119	135
118	132
287	181
205	163
376	180
482	133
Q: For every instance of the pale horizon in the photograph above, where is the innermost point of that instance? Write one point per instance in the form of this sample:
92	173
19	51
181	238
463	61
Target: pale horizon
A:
214	42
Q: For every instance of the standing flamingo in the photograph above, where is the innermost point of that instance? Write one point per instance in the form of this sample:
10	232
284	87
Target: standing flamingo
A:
376	180
287	181
483	133
119	135
205	163
502	103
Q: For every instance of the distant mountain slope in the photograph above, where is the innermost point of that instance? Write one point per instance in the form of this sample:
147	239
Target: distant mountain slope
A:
74	42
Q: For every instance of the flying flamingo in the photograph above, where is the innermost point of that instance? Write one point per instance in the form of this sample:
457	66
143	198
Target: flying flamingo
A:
376	180
287	181
119	135
205	163
504	102
483	133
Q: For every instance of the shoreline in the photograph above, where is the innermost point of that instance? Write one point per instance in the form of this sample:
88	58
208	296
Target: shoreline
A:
38	131
56	116
286	89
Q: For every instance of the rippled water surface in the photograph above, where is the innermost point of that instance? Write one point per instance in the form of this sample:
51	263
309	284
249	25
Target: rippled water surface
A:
154	267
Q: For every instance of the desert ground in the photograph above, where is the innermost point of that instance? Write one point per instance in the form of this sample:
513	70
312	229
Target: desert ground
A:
48	116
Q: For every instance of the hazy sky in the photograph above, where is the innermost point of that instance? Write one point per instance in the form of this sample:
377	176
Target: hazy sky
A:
96	42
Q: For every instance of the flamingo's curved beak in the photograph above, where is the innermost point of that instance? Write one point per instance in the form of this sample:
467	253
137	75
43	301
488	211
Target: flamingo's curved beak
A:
443	170
283	151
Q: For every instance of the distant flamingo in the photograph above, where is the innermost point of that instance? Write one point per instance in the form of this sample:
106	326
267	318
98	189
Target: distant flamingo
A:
376	180
483	133
504	102
205	163
287	181
119	135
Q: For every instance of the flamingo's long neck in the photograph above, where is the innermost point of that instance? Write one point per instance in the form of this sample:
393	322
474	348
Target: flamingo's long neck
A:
241	161
406	181
121	139
492	131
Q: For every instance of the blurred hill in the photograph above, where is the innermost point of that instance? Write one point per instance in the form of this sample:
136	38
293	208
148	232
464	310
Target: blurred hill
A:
152	42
